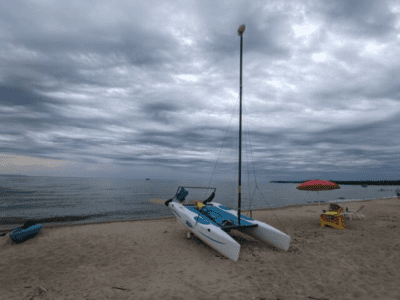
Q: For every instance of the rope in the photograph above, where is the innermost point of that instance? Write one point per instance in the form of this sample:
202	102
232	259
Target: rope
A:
223	142
256	187
247	163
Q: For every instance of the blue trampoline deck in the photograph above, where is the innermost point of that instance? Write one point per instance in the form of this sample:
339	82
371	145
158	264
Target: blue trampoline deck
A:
218	217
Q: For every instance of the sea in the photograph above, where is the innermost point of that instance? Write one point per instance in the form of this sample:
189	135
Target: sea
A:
58	201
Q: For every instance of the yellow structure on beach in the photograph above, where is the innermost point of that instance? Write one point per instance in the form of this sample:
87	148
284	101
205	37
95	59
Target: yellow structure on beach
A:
333	219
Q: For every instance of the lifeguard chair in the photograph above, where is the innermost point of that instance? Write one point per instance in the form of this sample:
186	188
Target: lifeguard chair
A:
332	218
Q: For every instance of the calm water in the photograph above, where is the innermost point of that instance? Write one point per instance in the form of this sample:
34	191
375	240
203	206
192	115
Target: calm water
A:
56	200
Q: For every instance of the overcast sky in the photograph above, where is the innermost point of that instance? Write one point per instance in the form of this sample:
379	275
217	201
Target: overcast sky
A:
138	89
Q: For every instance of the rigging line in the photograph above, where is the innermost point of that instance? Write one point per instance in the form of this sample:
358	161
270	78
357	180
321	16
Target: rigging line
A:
251	214
256	187
234	109
248	169
233	203
248	134
248	177
235	166
246	123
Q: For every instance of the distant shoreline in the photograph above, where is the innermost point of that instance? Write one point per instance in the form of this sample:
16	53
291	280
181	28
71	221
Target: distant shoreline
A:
15	175
367	182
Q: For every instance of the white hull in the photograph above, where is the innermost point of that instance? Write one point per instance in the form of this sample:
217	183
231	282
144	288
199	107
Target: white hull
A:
210	234
268	234
221	241
264	232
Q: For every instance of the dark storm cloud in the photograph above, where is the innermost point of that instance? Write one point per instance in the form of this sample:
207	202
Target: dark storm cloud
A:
13	96
147	88
161	112
370	19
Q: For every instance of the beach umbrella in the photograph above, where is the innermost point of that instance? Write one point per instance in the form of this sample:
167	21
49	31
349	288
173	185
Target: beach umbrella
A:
318	185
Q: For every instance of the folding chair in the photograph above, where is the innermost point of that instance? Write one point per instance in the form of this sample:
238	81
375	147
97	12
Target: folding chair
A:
347	214
356	212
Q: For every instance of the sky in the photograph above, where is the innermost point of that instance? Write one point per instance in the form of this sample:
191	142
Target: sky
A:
150	89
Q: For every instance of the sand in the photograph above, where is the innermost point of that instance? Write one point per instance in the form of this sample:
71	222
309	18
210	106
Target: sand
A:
154	260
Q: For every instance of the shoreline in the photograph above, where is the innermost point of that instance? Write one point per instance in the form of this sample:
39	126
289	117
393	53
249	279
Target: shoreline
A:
341	202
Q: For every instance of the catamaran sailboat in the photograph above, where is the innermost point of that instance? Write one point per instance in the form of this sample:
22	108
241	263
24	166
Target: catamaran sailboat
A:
211	222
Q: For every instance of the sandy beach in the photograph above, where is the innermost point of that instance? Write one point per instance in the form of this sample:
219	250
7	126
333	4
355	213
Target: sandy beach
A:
155	260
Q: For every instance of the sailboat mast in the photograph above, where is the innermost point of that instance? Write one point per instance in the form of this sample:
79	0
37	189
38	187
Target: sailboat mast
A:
240	33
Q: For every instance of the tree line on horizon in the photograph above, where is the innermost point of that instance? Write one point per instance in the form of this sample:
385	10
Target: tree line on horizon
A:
355	182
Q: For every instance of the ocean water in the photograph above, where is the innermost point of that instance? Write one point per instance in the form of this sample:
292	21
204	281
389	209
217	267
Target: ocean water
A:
58	200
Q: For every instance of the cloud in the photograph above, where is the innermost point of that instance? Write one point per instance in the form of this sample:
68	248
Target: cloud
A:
148	89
